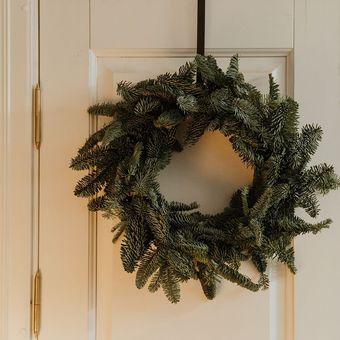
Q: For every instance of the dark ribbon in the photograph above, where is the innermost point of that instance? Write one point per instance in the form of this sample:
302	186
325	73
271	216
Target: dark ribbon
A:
200	32
200	26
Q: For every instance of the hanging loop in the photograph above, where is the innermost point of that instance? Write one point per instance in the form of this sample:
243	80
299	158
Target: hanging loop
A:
200	26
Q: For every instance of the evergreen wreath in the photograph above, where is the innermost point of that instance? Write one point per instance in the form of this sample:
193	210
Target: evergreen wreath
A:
171	242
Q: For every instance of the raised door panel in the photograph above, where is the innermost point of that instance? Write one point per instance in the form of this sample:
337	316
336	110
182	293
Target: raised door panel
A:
209	173
172	24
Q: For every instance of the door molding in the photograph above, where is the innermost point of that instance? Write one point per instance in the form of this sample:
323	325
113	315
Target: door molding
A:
4	109
189	52
16	163
98	56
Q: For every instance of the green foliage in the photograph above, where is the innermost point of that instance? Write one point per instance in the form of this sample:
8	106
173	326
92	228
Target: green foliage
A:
168	119
208	278
112	132
308	141
168	243
90	184
235	276
196	129
187	103
146	105
155	282
321	178
103	109
134	244
118	230
170	285
150	262
232	71
274	91
97	203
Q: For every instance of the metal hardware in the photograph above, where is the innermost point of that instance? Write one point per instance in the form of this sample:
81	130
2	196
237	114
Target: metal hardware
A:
200	26
37	116
36	304
200	47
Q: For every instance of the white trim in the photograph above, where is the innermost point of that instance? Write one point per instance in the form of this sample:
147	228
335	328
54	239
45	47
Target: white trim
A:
4	86
188	52
93	218
317	88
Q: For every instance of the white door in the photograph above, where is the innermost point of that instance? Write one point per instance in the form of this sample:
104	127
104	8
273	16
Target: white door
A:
86	48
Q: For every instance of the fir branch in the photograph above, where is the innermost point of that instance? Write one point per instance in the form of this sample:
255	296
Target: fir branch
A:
248	153
103	109
168	119
246	114
170	285
155	282
236	277
91	183
308	141
181	263
321	178
158	225
93	140
208	279
134	244
146	105
232	71
187	71
245	204
310	203
151	261
207	67
196	129
221	100
95	157
274	91
112	132
260	261
260	208
187	103
179	206
98	203
118	230
128	91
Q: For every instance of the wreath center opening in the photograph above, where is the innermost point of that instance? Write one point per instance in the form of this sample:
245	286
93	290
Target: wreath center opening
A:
209	173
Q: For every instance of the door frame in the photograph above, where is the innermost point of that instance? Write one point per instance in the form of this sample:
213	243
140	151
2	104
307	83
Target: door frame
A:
17	76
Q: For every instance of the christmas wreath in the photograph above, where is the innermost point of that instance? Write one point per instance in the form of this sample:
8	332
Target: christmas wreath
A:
168	243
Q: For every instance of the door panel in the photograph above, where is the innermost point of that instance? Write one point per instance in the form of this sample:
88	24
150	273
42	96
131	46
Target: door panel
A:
76	37
209	173
64	218
172	24
85	51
